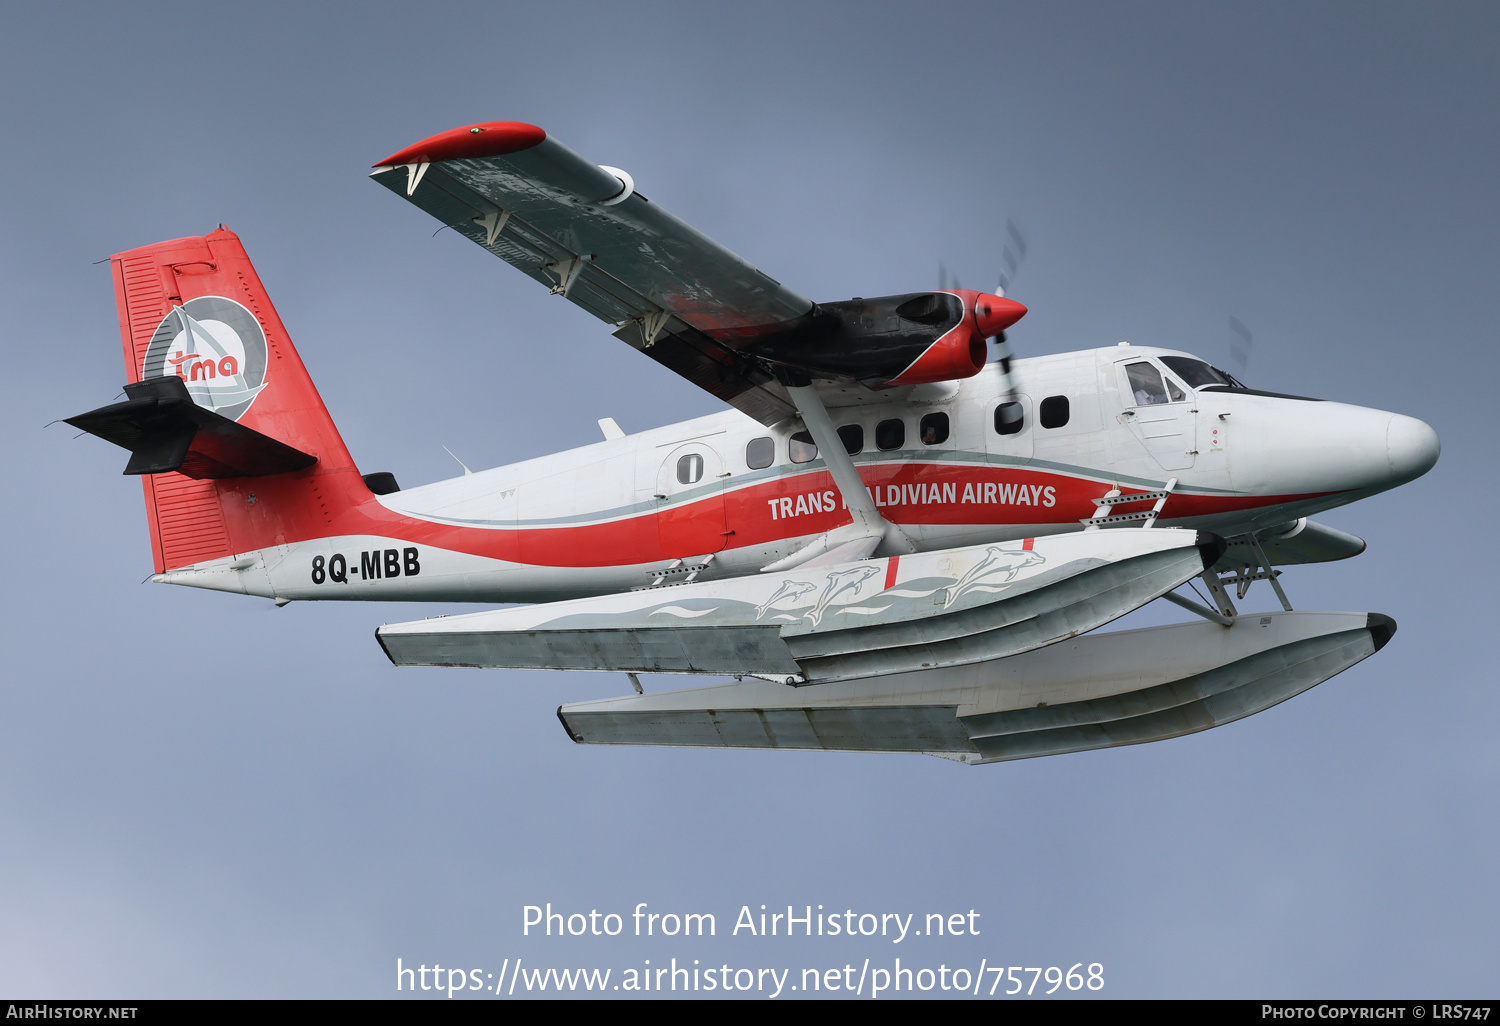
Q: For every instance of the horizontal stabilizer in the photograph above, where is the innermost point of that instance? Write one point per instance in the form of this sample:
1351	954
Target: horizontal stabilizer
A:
166	431
1100	691
821	624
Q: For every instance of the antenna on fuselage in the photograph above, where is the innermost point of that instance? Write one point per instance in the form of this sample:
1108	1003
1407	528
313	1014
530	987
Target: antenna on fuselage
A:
460	462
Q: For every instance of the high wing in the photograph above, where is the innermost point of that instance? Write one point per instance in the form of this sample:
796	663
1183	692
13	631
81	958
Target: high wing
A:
670	291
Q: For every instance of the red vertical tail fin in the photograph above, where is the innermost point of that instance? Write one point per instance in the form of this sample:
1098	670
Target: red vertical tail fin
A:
194	308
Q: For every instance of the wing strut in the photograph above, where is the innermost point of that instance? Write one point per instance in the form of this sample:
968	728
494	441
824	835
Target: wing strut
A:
869	529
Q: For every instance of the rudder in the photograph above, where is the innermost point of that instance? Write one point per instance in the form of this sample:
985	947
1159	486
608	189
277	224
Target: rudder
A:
194	308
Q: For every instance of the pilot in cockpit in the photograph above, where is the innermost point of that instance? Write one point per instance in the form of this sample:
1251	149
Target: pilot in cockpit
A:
1145	384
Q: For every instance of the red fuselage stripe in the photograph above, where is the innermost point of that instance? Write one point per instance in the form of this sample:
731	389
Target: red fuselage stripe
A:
759	515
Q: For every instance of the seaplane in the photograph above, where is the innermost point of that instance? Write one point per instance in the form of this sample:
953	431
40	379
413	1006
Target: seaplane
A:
888	541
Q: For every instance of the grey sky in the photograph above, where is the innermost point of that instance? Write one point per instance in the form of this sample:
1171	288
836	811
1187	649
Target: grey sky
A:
204	796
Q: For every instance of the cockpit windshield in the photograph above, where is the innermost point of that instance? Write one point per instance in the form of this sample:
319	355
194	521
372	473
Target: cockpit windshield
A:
1197	373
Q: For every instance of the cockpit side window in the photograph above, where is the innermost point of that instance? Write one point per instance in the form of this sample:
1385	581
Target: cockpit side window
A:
1145	384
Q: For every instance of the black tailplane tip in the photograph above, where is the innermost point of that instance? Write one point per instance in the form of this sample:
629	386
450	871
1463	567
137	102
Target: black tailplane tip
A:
1381	628
576	739
381	639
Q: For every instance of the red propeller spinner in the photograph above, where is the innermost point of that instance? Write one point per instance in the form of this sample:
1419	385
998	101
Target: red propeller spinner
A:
994	314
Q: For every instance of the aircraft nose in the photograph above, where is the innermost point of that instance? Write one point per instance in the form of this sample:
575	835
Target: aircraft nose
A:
1411	447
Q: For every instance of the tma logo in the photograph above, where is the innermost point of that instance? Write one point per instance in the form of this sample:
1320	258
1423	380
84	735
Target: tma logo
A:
217	348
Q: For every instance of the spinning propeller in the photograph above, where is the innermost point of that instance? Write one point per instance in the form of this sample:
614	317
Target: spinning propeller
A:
1011	258
1239	346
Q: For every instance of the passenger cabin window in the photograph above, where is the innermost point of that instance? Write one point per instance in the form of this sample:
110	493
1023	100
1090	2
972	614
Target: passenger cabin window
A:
1009	419
802	448
853	437
760	453
934	429
890	434
690	469
1054	411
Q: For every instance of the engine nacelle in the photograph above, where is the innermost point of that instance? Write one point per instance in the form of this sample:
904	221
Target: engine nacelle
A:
960	352
911	339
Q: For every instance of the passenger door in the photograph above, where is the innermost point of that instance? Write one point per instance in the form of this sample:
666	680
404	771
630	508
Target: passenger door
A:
690	496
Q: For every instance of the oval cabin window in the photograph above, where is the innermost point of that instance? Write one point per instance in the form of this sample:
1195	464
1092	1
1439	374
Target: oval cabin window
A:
802	448
890	434
760	453
934	428
690	469
1054	411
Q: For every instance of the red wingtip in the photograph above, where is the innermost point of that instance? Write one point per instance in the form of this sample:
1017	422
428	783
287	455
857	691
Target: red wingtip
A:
485	139
994	313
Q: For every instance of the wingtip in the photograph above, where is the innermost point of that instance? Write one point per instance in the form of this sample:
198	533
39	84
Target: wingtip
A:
564	721
482	139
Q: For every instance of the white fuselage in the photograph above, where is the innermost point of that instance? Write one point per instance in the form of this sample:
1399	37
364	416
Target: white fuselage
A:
648	507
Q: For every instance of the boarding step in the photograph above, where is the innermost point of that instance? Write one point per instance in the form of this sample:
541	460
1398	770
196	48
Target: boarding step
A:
680	569
1119	518
1117	500
1113	498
